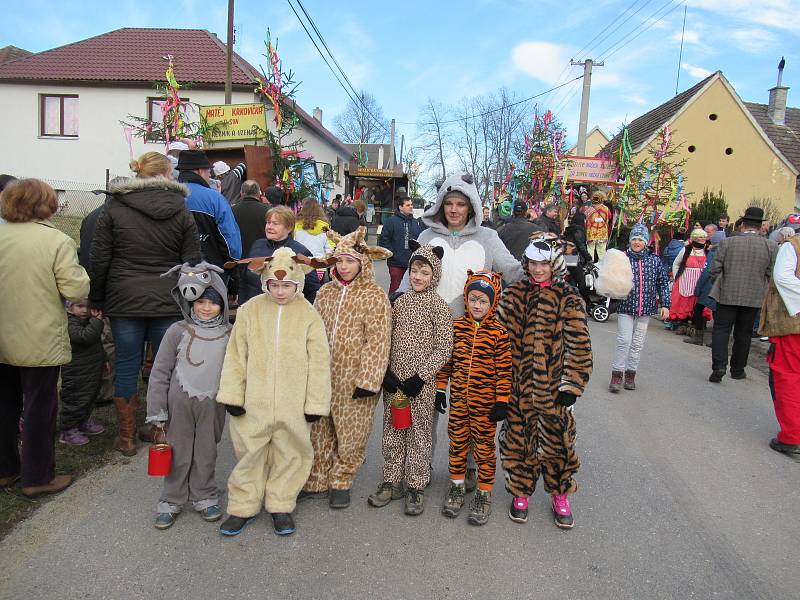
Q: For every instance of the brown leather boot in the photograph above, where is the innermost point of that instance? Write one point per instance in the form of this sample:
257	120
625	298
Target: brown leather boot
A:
59	483
616	382
630	380
126	425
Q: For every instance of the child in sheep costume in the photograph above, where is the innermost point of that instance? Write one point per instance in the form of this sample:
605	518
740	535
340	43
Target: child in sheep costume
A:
275	382
422	341
181	390
358	321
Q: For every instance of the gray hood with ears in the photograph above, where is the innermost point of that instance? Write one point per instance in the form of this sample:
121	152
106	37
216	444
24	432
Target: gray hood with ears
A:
462	183
192	282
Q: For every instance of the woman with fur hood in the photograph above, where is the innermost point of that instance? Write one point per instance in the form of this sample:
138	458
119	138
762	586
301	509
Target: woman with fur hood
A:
144	230
358	322
422	340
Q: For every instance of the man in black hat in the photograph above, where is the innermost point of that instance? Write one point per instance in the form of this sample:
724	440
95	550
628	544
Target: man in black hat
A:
741	271
516	234
220	239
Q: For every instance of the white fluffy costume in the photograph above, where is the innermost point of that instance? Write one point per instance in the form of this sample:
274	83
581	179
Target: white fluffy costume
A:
473	248
358	320
277	368
182	387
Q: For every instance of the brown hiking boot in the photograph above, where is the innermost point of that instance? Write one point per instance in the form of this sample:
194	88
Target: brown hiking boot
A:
59	483
616	382
126	425
630	380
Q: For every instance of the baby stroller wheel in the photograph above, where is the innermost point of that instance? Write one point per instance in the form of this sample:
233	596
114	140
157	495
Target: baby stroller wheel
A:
600	313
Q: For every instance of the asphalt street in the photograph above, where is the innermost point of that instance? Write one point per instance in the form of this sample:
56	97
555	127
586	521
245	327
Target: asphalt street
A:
680	497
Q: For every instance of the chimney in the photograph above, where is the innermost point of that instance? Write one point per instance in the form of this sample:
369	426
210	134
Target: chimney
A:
318	114
777	98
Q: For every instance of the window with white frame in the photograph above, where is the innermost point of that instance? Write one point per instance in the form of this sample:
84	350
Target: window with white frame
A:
58	115
155	116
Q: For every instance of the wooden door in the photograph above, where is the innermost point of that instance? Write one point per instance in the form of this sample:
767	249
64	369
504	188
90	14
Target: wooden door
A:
259	165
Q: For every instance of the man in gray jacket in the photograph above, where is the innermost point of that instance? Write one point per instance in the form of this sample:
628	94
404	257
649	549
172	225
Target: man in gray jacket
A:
741	270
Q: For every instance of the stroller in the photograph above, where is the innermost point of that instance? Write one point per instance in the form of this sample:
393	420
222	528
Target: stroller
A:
598	307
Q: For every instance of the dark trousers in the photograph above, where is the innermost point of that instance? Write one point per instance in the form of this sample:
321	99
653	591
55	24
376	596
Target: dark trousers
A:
740	319
38	387
395	277
698	319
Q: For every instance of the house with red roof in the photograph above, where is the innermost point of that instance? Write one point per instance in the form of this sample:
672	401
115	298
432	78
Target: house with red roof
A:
62	107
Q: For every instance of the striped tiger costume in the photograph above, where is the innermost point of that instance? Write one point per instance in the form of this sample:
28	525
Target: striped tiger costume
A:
479	373
551	352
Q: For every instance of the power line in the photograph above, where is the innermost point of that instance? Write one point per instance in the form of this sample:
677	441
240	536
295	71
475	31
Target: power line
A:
614	48
617	28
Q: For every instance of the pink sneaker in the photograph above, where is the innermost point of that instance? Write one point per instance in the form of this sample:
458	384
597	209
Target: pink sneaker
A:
562	512
73	437
91	427
518	511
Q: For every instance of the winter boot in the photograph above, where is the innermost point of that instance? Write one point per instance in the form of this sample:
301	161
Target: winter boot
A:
696	339
616	382
415	502
471	480
454	501
282	523
339	499
126	425
234	525
308	495
562	512
481	508
57	484
630	380
385	494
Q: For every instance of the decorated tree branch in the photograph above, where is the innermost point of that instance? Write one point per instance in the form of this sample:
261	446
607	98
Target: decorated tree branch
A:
541	177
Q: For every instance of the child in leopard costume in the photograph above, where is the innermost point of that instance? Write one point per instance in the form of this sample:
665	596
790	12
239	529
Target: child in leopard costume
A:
422	340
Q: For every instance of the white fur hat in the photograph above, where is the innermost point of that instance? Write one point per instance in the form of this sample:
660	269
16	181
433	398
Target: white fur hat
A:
220	168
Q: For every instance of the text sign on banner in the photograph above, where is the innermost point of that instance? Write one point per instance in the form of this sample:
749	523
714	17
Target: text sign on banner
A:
590	170
234	121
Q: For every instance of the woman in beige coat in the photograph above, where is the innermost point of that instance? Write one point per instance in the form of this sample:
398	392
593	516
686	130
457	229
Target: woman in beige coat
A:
39	268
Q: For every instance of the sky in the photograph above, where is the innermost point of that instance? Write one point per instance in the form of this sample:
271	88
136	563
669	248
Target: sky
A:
405	52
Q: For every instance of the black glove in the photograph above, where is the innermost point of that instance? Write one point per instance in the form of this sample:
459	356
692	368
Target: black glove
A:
390	382
312	418
498	412
362	393
412	386
394	296
566	399
441	402
234	411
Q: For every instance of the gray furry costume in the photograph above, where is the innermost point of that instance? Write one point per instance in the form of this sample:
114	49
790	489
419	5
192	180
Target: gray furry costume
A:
183	387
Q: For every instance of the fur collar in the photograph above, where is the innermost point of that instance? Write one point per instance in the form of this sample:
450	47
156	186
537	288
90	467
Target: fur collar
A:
137	184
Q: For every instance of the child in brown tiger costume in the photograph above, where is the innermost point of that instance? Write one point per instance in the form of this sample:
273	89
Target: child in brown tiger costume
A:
422	340
551	356
358	322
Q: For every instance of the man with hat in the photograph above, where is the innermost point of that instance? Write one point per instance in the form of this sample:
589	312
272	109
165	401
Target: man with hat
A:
741	271
397	230
230	180
516	234
220	240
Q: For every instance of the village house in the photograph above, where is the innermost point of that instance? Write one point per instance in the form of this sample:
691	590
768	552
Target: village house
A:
63	107
748	150
596	140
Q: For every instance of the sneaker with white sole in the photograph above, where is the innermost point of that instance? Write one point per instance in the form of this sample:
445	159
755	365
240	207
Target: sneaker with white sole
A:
518	511
562	512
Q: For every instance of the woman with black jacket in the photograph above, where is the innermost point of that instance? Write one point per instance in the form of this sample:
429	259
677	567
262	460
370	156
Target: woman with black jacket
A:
144	230
576	233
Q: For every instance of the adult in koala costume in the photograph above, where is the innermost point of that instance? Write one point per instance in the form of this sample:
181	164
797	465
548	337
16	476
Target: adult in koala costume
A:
275	383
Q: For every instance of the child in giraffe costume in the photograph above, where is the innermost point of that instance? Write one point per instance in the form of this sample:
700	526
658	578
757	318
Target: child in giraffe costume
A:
551	358
479	374
357	318
422	340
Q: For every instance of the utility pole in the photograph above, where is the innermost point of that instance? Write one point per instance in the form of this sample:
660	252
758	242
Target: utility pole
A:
229	57
587	88
391	143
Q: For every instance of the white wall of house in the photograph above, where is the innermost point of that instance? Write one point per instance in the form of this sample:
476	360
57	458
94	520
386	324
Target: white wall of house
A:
101	143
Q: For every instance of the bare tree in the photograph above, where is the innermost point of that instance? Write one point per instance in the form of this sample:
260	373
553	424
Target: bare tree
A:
433	133
362	122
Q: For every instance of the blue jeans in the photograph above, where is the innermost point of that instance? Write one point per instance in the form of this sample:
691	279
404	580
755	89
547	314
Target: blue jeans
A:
130	334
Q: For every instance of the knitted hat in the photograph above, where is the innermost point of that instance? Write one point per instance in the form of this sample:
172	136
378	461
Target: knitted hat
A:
213	295
482	286
640	232
220	168
180	146
698	233
488	282
189	160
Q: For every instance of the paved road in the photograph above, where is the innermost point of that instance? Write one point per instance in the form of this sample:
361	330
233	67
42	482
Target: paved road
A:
680	498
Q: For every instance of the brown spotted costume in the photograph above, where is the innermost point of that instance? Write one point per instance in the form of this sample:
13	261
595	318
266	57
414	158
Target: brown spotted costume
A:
422	340
357	318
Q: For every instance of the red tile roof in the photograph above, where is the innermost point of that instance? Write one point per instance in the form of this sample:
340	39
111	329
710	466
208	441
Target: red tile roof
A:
10	53
134	55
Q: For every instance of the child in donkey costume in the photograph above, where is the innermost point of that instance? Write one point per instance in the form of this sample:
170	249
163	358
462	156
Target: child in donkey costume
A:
422	340
182	388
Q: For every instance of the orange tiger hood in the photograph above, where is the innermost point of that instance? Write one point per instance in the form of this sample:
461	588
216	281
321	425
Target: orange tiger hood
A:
486	278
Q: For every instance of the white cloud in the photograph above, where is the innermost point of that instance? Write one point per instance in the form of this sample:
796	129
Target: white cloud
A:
544	61
696	72
754	40
635	99
689	37
781	14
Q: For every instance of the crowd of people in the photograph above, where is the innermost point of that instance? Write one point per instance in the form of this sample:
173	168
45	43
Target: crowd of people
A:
487	326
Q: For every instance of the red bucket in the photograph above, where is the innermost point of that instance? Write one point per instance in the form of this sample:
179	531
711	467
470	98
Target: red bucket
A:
160	463
401	417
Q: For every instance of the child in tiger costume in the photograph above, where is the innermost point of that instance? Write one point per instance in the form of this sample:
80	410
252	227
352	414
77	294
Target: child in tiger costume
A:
551	356
422	340
479	374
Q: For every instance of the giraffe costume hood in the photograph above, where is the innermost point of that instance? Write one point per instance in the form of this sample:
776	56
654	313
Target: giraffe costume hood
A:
354	245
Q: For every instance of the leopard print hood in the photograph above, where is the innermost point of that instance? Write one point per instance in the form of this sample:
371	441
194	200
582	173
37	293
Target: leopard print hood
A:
354	244
431	255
